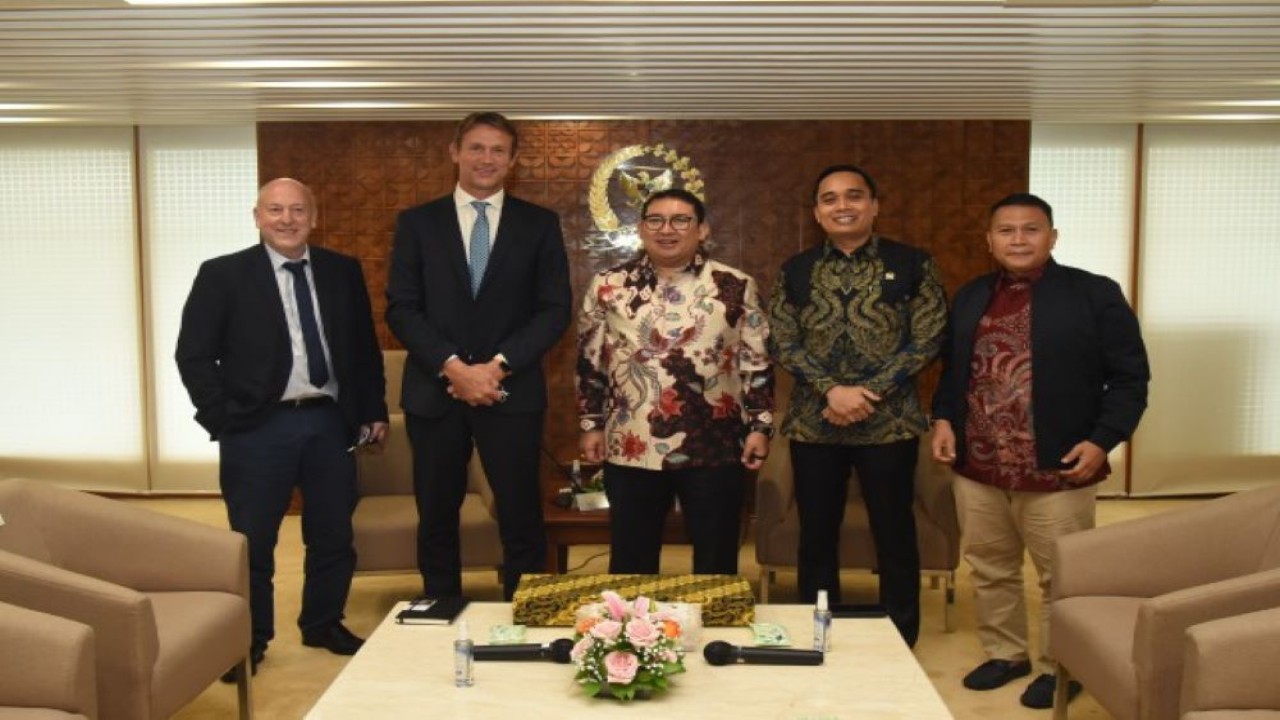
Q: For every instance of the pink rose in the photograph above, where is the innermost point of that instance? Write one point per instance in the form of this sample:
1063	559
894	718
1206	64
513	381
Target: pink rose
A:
621	667
617	606
643	633
642	605
580	649
607	630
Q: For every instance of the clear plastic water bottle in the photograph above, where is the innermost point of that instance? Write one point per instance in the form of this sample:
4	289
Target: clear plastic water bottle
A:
822	623
463	658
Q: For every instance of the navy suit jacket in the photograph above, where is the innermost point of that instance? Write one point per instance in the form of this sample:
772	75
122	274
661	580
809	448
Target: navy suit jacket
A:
233	349
1089	369
522	309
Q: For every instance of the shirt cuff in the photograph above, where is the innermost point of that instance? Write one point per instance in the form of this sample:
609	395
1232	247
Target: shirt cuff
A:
761	422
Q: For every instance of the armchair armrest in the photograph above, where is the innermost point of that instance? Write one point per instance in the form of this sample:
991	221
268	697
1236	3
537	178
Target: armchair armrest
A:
122	619
143	549
1229	664
933	489
1158	647
48	662
1175	550
775	487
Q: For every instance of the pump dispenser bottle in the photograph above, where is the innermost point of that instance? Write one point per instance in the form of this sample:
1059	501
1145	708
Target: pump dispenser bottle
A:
822	623
463	657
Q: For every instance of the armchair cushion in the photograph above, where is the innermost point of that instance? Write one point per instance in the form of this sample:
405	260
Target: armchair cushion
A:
47	666
1229	668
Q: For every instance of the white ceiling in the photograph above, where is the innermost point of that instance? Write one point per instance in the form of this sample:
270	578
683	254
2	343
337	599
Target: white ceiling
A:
103	61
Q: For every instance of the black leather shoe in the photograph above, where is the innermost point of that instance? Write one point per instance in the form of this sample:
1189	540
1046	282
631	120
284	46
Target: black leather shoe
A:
996	673
255	658
1039	694
336	638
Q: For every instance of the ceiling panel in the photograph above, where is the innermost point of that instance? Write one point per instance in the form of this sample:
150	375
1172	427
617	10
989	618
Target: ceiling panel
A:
108	62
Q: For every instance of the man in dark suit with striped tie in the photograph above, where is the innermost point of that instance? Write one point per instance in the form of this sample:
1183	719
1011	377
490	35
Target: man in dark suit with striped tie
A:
278	352
478	292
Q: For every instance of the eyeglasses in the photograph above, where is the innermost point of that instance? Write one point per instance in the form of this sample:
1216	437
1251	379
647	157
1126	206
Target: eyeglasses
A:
679	223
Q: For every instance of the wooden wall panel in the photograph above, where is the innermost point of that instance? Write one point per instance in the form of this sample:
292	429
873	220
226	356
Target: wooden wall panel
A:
937	180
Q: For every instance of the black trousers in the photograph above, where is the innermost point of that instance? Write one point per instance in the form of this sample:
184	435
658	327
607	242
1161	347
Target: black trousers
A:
887	475
639	500
303	447
509	449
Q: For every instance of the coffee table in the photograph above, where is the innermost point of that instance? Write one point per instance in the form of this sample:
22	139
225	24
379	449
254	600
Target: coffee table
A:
407	671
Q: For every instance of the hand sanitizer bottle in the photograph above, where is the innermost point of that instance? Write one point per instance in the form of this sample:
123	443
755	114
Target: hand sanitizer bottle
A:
822	623
463	657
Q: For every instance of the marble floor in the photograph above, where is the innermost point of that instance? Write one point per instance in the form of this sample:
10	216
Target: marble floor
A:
293	677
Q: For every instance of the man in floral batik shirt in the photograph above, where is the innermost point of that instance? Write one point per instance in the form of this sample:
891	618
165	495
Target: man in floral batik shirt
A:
675	390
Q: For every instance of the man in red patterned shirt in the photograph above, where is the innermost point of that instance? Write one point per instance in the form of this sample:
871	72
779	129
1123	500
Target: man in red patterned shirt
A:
1044	372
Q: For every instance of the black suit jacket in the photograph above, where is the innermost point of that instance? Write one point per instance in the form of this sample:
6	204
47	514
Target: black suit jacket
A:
1089	369
233	349
522	309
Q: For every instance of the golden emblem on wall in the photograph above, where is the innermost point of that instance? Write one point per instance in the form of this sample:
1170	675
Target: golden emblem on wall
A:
619	187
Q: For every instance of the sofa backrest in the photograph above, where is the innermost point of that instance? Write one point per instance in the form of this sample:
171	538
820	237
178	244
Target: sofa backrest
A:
21	532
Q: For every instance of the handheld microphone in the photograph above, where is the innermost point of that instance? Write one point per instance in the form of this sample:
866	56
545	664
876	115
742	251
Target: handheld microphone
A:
719	652
555	651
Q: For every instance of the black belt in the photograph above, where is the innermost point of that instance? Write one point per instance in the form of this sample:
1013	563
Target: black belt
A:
310	401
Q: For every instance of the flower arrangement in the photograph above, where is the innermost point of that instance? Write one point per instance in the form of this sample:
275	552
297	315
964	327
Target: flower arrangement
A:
624	649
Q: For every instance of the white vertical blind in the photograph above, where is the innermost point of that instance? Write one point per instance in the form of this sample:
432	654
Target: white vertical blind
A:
199	185
1209	267
71	370
1087	173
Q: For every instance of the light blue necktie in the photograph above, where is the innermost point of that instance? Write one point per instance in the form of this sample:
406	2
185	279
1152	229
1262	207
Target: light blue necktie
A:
479	245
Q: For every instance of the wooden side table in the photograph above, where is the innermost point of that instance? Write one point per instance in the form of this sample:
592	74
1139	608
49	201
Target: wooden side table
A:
566	527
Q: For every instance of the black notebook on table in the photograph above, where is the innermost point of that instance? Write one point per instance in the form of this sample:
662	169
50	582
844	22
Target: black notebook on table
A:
432	611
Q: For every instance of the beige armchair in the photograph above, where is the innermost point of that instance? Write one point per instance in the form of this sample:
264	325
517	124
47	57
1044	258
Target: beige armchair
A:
778	522
386	520
1125	595
46	667
167	599
1230	668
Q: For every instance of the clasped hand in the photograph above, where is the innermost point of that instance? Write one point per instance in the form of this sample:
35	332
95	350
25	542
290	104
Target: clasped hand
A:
848	404
476	385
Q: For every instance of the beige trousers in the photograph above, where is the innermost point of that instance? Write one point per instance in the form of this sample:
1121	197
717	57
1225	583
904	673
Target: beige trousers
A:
996	525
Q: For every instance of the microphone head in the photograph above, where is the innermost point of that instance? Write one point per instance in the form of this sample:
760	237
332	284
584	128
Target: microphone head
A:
559	650
719	652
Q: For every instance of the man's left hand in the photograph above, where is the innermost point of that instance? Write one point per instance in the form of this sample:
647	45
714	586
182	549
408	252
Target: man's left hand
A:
377	433
755	450
1087	458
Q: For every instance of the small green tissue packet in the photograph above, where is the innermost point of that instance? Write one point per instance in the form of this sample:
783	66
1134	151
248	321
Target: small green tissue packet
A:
506	634
769	634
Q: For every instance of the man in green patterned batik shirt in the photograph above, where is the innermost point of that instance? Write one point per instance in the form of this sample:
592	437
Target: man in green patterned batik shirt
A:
854	320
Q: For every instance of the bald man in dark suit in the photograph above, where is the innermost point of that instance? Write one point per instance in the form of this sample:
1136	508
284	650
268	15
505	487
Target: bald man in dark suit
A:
278	352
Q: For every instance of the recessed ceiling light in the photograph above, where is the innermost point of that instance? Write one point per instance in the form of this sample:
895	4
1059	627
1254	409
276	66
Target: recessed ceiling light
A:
317	84
1227	116
11	120
1246	103
353	105
273	64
